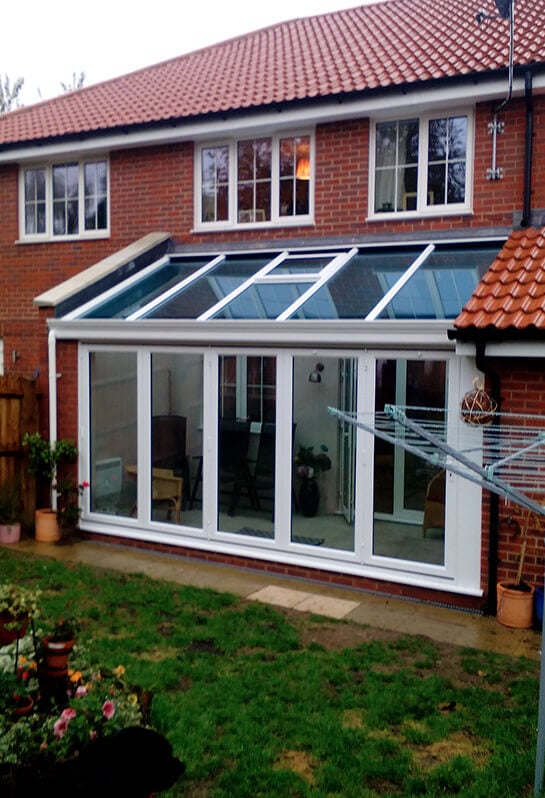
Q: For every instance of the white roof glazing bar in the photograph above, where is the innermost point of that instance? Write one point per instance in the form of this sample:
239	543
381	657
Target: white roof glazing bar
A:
175	289
211	312
325	275
405	277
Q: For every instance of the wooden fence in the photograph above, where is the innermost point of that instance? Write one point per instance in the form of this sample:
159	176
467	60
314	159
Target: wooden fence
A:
18	414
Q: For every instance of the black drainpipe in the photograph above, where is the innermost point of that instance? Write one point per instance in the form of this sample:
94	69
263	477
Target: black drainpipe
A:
528	147
494	522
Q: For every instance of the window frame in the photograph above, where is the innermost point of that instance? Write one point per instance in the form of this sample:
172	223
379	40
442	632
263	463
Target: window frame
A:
48	168
276	219
422	208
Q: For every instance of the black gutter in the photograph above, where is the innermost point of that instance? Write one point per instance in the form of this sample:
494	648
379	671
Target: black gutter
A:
494	521
528	147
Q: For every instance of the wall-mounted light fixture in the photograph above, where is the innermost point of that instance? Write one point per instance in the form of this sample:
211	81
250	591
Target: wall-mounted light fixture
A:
316	374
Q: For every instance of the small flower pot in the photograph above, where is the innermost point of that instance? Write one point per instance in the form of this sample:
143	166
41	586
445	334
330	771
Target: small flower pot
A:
10	533
23	705
56	654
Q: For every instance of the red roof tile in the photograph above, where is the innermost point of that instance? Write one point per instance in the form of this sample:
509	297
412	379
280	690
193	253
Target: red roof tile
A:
386	44
512	292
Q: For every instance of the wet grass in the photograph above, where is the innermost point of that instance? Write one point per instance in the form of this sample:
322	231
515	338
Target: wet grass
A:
254	710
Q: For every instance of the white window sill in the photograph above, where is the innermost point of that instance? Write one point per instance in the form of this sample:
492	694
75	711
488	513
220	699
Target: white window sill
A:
429	213
273	225
103	234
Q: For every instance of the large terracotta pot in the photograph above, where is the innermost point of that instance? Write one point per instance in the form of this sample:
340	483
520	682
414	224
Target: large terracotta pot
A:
46	526
515	607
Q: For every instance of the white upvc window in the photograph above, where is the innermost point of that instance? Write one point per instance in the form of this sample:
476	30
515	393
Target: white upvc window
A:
64	200
422	165
267	180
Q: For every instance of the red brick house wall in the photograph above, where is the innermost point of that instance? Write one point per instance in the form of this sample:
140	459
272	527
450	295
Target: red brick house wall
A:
151	189
522	388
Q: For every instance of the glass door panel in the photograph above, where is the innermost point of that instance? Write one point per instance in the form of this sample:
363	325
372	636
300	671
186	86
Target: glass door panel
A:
324	453
113	399
406	488
176	438
247	445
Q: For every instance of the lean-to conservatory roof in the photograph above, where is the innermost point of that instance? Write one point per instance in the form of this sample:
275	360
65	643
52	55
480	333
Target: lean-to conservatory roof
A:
362	49
511	295
403	280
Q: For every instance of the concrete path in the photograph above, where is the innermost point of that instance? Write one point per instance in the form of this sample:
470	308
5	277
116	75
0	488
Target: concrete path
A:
439	623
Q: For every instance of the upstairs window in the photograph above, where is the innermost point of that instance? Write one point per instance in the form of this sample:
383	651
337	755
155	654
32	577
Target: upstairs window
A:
422	165
255	181
64	200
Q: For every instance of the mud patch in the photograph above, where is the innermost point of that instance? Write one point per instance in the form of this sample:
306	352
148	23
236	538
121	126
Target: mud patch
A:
299	762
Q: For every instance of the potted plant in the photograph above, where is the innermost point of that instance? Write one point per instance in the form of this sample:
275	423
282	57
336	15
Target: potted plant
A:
56	647
10	512
309	465
18	606
45	459
68	507
515	598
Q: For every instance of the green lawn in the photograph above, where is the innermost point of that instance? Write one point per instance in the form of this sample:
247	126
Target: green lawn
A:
261	702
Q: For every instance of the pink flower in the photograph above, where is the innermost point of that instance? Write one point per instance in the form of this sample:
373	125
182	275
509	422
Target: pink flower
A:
60	728
108	709
81	691
68	713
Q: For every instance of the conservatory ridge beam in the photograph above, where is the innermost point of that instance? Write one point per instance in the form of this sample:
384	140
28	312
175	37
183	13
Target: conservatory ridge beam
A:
344	333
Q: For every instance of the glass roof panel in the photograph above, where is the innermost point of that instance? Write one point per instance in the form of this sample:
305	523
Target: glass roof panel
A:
140	293
195	299
355	289
262	301
441	286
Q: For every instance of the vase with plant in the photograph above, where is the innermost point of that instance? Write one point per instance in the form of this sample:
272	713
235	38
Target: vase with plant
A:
46	460
308	466
10	512
56	648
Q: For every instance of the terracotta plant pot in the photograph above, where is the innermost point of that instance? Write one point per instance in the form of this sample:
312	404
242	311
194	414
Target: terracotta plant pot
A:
10	635
23	705
10	533
56	654
515	605
46	526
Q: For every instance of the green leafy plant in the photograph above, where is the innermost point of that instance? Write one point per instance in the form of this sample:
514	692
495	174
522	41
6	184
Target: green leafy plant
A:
63	629
309	464
44	457
19	601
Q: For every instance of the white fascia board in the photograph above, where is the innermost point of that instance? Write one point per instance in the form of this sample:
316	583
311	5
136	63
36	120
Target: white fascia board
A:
334	333
417	100
512	349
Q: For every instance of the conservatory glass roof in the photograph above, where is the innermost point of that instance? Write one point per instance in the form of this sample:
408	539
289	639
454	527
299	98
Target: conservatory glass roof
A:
396	281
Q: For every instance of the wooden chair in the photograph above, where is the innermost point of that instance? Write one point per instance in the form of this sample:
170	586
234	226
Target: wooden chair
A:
166	487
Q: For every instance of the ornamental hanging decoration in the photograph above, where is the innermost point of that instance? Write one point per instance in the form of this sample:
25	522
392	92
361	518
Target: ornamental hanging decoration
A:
477	407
